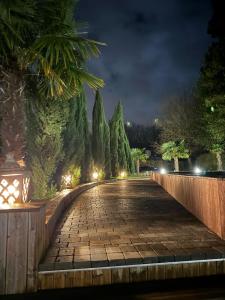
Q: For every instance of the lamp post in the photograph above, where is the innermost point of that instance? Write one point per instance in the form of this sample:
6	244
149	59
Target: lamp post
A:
14	182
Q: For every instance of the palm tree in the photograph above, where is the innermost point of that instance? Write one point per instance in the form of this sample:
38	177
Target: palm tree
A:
138	156
38	39
174	150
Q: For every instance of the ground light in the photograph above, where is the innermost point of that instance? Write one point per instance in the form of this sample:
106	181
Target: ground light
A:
14	182
95	175
123	174
197	170
163	171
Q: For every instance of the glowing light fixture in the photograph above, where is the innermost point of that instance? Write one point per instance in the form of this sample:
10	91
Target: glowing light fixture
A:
14	182
163	171
67	180
197	170
123	174
95	175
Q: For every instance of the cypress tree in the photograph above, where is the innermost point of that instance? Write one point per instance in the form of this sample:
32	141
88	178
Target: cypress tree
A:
83	128
76	141
120	149
46	120
100	137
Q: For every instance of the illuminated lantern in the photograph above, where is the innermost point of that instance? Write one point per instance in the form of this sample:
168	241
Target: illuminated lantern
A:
67	180
14	182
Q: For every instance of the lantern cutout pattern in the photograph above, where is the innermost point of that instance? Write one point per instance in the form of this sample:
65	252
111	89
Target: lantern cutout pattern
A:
67	181
14	182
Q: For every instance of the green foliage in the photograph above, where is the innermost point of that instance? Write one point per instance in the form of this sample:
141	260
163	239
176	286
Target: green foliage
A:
76	138
120	149
39	38
42	36
100	137
45	143
139	154
75	173
174	149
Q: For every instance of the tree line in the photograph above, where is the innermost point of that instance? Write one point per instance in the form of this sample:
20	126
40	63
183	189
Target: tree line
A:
194	122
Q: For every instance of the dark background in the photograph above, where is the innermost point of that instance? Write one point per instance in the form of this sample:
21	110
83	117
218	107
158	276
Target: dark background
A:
154	51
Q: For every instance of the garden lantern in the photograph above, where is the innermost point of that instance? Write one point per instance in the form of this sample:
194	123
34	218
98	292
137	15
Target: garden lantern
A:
14	182
67	180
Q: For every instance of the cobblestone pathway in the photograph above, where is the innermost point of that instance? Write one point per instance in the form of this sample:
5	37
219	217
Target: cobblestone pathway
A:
129	222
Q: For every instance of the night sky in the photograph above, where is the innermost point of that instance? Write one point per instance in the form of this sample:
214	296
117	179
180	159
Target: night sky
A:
154	51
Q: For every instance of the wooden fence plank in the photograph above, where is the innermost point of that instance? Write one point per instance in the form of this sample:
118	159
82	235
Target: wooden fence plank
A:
16	264
3	247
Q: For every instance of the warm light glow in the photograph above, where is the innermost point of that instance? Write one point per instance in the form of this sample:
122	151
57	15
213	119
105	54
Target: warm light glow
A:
95	175
123	174
163	171
11	189
67	179
197	170
14	182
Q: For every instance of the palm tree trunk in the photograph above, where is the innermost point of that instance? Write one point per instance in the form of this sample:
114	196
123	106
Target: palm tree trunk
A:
138	167
219	162
176	164
12	111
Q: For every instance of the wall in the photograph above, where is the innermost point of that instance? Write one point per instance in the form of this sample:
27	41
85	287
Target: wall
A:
204	197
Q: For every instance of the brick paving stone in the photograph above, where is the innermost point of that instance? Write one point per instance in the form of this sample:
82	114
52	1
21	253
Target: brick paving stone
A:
129	222
116	259
132	257
149	256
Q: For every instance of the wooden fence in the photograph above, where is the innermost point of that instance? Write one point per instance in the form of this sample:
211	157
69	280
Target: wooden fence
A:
21	247
26	231
204	197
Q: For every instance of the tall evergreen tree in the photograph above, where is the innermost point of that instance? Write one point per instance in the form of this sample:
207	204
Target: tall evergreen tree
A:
83	128
77	137
100	137
120	149
45	143
211	88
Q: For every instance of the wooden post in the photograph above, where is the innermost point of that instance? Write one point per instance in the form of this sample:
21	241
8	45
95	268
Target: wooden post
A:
21	247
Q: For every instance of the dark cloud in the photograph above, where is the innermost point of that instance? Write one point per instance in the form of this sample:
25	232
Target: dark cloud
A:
154	50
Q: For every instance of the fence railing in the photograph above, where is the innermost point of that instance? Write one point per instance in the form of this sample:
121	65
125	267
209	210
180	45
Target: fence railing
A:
204	197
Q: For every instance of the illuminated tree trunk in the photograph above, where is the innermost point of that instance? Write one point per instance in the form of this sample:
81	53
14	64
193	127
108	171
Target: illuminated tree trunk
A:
219	162
12	112
176	164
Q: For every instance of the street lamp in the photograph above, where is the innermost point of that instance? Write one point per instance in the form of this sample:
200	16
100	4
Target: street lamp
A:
14	182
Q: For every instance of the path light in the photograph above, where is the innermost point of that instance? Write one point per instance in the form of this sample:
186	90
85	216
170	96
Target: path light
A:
95	175
163	171
123	174
14	182
67	180
197	170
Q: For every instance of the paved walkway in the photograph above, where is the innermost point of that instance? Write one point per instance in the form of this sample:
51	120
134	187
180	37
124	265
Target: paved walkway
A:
129	222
